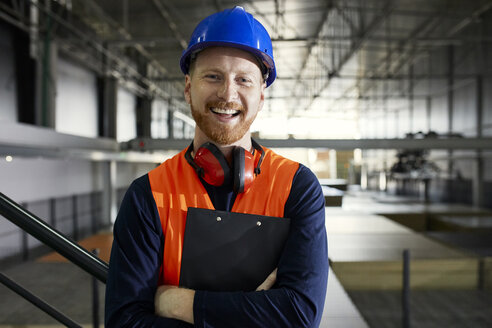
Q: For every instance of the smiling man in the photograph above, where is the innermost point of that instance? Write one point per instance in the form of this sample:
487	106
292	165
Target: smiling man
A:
228	65
225	90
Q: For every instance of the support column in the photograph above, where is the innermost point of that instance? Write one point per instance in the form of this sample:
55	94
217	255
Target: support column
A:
333	164
107	107
144	102
410	98
364	176
107	94
144	116
450	102
170	121
26	77
397	123
478	172
45	115
109	201
428	112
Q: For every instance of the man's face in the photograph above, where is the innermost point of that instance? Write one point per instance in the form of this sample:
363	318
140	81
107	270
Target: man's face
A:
225	90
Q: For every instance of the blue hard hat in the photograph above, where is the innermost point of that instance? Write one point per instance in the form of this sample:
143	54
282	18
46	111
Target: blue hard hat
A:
232	28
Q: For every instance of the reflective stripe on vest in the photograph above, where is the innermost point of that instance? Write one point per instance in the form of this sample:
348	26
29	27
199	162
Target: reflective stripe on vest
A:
176	186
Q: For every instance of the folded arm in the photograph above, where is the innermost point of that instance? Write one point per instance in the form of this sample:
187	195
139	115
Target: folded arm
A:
177	303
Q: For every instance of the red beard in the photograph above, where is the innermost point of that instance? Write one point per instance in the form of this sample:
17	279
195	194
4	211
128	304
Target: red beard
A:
217	132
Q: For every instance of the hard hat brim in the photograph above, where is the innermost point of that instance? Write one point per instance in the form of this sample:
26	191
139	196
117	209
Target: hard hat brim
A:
264	58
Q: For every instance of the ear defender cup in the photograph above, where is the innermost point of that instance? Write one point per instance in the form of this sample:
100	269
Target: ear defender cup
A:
244	169
212	165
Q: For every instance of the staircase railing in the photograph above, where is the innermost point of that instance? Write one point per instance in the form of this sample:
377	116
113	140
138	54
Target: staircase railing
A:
53	238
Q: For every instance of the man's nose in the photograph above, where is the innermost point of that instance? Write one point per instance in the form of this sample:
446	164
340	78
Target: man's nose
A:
228	90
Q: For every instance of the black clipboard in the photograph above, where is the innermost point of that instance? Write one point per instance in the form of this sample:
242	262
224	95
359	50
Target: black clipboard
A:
227	251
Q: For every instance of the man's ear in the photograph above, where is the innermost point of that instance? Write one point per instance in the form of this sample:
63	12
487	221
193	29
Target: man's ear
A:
187	88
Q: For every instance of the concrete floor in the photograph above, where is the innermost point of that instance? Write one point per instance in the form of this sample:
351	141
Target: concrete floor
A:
358	233
63	285
428	309
68	288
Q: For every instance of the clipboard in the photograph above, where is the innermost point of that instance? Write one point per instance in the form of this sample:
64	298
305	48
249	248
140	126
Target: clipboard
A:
227	251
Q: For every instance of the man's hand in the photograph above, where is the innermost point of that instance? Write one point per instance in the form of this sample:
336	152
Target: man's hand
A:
177	303
269	281
174	302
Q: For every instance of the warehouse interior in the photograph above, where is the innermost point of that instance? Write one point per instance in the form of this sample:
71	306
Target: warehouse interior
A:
388	102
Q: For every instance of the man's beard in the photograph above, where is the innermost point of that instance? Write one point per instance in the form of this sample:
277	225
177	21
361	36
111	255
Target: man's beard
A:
221	134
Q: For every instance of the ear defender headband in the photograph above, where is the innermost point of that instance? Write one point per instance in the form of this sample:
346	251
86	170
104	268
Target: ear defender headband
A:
211	165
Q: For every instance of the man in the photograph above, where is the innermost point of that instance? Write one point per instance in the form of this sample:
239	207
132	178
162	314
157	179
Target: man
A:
227	67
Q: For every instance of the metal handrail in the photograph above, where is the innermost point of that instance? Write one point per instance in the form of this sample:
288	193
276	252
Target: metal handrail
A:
39	303
53	238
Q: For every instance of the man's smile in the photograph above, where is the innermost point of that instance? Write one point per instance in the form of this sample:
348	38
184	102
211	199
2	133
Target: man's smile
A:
225	111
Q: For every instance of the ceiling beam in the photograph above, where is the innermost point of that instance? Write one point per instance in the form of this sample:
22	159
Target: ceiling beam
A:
218	5
310	46
427	26
402	96
140	49
154	89
166	15
420	41
351	77
411	52
470	19
14	16
423	41
383	77
367	31
343	14
263	16
370	10
148	144
97	45
30	136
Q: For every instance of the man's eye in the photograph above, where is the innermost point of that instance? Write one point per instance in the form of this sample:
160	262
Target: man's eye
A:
212	76
244	80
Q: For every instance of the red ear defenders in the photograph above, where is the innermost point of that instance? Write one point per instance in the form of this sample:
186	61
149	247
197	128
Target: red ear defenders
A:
211	165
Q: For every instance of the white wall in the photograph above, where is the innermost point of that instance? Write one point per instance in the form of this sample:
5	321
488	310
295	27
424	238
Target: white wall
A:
127	172
158	128
126	115
33	179
29	179
76	100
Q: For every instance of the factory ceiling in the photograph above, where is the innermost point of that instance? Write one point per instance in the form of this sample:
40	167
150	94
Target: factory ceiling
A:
334	58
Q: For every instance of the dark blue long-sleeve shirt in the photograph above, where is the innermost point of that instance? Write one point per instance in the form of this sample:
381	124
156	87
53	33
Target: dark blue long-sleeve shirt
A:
296	300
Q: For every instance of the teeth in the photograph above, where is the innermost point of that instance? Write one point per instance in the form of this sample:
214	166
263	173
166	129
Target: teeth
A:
224	111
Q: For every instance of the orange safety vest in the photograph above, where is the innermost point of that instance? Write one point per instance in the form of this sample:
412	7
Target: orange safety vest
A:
176	186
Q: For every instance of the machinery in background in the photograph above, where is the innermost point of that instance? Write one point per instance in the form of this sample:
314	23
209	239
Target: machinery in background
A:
413	171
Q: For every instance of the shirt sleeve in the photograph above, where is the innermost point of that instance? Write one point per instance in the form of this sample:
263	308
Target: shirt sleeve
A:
298	297
134	266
